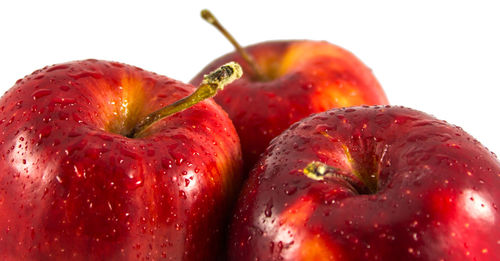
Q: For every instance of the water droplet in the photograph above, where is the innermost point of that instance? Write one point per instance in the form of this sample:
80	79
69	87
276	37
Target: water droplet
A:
57	67
166	163
32	233
268	210
178	226
64	101
322	128
136	177
77	146
307	86
116	64
40	93
79	171
82	74
45	132
129	154
77	118
178	161
39	76
290	190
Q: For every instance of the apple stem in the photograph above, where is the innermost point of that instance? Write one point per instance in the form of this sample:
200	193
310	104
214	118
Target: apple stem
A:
211	83
257	71
321	171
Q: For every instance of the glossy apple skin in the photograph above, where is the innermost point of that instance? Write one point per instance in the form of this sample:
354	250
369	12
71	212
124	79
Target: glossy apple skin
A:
437	195
71	189
304	77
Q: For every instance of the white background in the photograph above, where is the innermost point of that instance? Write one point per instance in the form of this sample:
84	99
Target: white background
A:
441	57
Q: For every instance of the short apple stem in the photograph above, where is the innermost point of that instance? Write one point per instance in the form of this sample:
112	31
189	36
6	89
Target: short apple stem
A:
211	83
210	18
321	171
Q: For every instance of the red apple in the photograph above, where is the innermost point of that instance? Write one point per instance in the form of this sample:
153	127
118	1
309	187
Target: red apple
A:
286	81
370	183
75	186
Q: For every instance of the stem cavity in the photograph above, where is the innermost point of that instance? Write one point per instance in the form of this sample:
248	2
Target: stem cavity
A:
321	171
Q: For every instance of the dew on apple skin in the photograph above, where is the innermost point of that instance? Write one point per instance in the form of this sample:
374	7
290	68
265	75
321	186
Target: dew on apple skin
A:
83	74
76	146
290	190
129	154
182	194
322	128
57	67
80	172
64	101
166	163
306	86
40	93
39	76
268	210
45	132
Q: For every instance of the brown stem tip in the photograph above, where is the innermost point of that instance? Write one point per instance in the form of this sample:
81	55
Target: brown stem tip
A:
210	18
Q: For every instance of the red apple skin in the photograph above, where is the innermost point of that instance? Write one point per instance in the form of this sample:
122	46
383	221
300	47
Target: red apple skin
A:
71	188
304	77
437	196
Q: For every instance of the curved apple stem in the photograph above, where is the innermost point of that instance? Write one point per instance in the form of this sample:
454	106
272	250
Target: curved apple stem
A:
211	83
210	18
